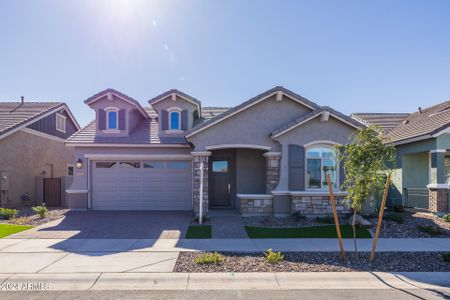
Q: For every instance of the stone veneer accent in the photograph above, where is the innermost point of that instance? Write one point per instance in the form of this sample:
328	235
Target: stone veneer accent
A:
256	204
197	158
317	205
438	200
272	170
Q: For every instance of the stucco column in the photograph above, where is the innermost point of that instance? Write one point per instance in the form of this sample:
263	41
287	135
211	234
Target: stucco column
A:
197	159
272	170
438	188
437	171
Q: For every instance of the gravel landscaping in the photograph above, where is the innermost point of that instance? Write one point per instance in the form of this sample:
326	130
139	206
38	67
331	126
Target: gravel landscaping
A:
27	216
411	224
318	262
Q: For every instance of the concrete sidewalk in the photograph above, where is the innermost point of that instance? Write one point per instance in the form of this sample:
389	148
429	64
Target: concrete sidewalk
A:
227	281
235	245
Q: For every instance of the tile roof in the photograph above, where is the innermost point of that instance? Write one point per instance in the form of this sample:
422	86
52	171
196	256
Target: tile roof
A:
314	114
174	91
15	114
211	112
249	102
145	133
422	124
387	121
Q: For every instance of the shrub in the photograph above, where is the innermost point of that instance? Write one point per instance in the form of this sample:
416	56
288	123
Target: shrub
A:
41	210
398	208
273	257
8	213
209	258
297	216
434	231
196	220
446	257
446	218
21	220
325	220
397	218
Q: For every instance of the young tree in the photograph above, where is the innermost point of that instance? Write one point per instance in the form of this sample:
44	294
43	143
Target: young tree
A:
365	159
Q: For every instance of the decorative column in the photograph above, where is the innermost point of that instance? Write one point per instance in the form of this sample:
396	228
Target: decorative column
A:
438	188
197	159
272	170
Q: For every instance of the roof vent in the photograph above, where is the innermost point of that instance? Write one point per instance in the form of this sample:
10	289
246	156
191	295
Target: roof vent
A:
405	122
420	110
22	99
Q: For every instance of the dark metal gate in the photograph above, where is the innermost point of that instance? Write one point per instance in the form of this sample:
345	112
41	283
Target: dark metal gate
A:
415	197
52	191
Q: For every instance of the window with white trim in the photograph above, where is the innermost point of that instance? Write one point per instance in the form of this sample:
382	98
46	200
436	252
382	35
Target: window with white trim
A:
112	118
61	122
321	160
174	120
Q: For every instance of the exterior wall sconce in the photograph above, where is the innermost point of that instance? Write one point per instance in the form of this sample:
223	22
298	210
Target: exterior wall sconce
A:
79	164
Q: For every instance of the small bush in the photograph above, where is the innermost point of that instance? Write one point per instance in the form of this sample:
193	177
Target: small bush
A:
273	257
398	208
325	220
8	213
196	220
397	218
433	231
298	216
209	258
446	257
41	210
446	218
21	220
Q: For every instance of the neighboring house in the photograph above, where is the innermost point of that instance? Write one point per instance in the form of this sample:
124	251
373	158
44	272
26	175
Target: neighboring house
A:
264	156
422	140
32	136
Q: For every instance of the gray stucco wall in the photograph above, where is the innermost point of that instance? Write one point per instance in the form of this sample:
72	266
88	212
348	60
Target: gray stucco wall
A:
251	126
26	156
250	172
313	131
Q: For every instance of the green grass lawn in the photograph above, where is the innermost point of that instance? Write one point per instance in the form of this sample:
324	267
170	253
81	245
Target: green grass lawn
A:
7	229
328	231
199	232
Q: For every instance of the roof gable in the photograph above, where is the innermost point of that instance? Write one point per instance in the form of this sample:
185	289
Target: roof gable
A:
172	93
109	92
279	91
322	112
17	115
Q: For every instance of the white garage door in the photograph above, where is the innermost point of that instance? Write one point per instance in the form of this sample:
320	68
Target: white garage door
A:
141	185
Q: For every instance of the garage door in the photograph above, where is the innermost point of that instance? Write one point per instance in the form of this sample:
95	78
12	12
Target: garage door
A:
141	185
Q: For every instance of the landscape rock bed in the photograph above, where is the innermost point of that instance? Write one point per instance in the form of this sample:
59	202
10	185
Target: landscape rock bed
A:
409	229
54	213
277	222
318	262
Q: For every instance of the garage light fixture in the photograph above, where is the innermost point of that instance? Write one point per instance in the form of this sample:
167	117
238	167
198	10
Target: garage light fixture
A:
79	164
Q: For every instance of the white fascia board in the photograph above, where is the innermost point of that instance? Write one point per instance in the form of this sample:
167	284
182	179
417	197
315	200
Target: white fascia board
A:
247	106
138	156
43	135
446	130
240	146
96	145
72	117
30	122
412	140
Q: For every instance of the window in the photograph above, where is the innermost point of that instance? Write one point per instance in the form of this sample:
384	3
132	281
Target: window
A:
61	122
69	170
320	160
154	165
177	165
105	164
111	119
130	164
174	120
220	166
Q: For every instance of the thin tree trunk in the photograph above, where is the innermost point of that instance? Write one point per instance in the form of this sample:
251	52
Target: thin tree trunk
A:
354	231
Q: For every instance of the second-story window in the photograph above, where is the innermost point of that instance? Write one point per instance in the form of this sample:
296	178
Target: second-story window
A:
111	119
61	122
175	120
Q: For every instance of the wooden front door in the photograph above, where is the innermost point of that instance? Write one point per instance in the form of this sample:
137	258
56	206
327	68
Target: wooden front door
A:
221	183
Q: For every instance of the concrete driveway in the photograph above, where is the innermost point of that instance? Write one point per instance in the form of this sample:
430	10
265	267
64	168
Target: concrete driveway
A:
113	225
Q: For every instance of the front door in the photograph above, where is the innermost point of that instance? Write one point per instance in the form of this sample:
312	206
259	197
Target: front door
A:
220	183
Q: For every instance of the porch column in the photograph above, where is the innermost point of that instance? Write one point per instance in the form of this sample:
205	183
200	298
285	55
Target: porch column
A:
438	188
197	158
272	170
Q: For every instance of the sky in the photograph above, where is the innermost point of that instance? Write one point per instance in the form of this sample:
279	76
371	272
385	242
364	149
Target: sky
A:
355	56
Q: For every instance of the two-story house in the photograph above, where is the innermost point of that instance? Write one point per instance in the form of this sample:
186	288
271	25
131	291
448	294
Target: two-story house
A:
32	137
267	155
